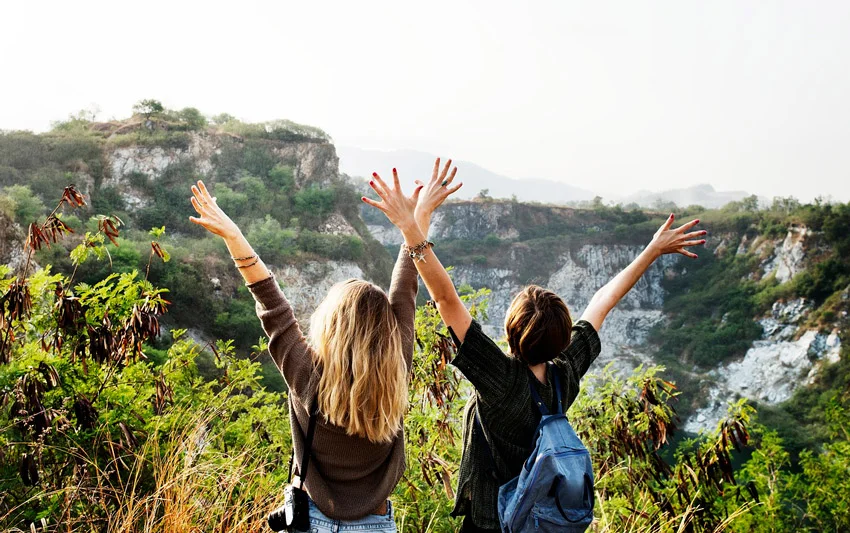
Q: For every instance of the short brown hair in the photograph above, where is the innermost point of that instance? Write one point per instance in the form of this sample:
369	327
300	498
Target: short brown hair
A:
538	325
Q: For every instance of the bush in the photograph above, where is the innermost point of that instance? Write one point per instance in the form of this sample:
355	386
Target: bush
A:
271	241
24	204
339	247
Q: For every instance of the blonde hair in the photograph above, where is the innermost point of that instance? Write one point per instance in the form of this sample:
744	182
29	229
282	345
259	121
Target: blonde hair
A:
357	351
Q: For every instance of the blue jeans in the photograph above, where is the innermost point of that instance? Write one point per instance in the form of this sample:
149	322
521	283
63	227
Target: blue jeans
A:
319	523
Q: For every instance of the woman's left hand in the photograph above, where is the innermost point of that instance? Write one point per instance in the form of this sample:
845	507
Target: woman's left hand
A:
398	207
435	192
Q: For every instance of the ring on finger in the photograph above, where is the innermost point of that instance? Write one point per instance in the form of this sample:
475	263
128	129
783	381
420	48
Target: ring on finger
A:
445	182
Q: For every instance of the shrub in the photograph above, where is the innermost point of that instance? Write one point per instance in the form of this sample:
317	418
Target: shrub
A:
271	240
24	204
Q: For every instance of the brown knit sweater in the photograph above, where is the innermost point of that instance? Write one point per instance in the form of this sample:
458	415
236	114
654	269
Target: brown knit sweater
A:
349	477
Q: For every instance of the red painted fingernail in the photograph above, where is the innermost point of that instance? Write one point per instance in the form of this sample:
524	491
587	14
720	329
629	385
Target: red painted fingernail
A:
697	221
671	215
703	241
375	174
393	169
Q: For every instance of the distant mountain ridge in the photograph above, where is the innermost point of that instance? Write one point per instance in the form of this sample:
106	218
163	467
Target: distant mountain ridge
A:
357	162
410	163
702	194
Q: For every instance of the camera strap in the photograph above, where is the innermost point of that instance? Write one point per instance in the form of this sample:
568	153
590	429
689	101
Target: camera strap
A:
308	445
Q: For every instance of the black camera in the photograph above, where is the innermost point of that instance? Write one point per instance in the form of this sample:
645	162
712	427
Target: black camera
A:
294	514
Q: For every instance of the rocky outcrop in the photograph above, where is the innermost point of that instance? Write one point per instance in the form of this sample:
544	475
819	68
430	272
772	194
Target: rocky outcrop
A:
314	163
580	275
307	284
336	224
788	257
12	240
786	357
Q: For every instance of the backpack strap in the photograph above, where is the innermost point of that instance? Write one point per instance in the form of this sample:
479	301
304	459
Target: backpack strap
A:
308	446
538	401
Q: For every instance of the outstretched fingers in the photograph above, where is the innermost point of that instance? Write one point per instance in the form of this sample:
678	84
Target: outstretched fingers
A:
396	183
436	170
685	227
373	203
687	253
378	185
446	171
451	190
668	223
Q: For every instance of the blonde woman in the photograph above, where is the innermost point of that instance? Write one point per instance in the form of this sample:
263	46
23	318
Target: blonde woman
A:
546	348
355	367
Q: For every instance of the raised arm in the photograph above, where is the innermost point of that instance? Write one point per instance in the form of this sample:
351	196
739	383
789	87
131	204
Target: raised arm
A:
665	241
412	216
287	345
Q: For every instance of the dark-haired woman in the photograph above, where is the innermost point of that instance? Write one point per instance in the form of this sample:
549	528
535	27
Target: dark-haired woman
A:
539	330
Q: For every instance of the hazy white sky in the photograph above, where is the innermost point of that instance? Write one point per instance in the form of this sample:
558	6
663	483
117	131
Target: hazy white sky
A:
612	96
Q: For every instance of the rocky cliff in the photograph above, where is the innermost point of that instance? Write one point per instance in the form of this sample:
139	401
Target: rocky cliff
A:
786	356
314	164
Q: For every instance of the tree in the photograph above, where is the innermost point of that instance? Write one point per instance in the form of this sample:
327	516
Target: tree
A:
192	118
148	108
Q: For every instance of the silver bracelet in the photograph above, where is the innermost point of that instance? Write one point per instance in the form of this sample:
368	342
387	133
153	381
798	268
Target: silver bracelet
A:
417	252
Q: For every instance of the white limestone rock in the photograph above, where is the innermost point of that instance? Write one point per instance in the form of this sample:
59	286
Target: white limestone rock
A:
336	224
386	235
788	256
308	284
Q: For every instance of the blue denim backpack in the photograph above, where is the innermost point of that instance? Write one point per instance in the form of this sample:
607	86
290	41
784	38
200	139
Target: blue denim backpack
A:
554	490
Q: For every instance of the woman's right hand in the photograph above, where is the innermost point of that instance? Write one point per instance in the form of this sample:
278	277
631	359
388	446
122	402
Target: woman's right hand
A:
212	218
398	207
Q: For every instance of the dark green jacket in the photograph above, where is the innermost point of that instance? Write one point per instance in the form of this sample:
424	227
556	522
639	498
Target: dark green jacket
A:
510	418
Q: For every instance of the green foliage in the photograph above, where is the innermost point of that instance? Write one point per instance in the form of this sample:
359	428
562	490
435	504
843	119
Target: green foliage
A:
191	119
19	201
148	108
271	240
339	247
312	205
710	311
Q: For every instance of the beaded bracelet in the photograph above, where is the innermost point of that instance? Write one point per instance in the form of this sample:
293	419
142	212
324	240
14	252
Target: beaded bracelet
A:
244	258
416	252
254	262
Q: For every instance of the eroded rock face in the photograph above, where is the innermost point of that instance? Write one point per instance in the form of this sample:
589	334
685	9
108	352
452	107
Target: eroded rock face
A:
12	244
307	285
473	221
313	162
336	224
626	328
788	257
784	359
459	221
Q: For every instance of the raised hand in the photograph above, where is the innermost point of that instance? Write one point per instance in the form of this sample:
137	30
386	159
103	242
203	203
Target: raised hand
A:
212	218
435	192
398	207
672	241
